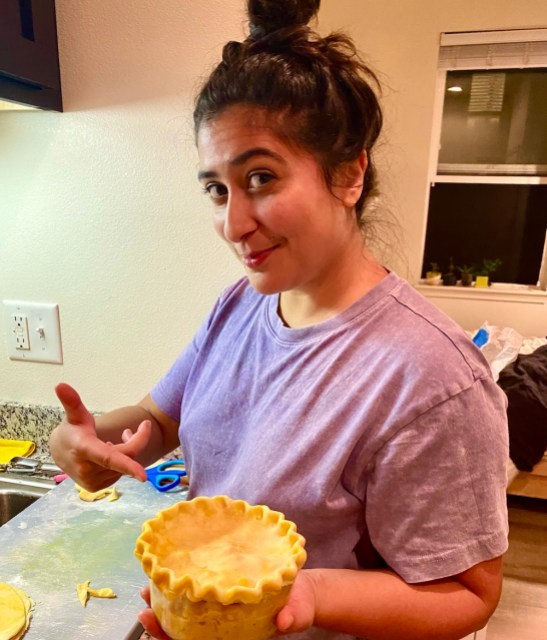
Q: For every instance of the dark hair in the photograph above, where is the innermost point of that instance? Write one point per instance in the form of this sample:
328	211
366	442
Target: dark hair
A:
319	88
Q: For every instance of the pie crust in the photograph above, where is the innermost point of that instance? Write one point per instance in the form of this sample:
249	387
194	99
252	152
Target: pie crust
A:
15	609
219	568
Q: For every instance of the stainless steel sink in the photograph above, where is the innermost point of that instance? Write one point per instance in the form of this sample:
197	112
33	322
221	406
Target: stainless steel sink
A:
17	493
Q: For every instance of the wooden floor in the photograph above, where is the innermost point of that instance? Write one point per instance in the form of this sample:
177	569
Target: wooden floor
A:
522	612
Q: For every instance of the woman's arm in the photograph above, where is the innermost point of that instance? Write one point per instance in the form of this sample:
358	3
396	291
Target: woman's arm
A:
95	452
122	424
379	605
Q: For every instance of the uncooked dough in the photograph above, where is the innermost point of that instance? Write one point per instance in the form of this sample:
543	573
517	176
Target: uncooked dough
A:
15	608
91	496
84	591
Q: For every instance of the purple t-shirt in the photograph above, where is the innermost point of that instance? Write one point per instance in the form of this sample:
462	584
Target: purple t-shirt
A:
380	431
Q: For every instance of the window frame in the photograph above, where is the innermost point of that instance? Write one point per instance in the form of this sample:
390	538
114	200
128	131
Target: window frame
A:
481	38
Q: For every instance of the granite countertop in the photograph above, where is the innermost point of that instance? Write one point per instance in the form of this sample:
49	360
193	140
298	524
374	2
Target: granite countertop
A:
30	422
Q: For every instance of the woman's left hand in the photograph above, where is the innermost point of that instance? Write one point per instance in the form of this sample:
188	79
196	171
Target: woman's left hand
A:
299	612
148	619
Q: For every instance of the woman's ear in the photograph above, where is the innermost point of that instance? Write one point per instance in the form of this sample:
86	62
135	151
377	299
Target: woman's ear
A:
349	180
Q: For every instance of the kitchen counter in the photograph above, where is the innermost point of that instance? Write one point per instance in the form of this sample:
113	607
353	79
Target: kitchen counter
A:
60	541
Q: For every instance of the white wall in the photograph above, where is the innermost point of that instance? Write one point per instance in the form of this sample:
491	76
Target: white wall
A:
100	210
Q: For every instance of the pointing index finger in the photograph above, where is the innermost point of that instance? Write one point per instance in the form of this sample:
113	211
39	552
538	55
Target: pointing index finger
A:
109	457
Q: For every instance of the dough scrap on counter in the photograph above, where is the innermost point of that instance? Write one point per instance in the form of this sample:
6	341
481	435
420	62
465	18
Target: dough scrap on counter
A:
91	496
84	591
15	612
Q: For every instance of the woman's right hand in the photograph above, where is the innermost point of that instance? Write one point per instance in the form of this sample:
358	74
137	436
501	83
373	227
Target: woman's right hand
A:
88	460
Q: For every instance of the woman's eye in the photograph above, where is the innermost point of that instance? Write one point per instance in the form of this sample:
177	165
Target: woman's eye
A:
215	190
257	180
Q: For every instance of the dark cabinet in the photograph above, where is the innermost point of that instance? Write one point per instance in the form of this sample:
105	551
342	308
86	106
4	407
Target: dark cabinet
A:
29	59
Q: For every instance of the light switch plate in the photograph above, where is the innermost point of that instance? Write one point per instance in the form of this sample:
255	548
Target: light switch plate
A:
44	331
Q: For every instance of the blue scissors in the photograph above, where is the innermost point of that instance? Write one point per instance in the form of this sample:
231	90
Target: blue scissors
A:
167	475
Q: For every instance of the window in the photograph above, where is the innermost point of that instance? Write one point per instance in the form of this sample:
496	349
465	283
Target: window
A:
488	193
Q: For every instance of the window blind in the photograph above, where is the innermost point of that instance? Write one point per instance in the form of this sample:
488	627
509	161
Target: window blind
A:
494	50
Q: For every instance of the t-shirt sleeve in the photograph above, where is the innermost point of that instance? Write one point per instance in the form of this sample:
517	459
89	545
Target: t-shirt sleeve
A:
169	391
436	497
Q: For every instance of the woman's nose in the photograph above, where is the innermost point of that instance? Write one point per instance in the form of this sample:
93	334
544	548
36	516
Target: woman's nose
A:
239	218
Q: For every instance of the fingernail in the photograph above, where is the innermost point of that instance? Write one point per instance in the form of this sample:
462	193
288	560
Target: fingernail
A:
287	624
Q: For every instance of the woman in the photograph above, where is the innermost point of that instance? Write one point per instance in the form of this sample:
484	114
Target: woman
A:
321	384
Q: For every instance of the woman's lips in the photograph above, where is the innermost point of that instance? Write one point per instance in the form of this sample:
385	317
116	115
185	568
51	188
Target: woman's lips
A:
255	259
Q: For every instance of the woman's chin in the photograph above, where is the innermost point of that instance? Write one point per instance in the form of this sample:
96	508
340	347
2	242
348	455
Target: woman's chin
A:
264	284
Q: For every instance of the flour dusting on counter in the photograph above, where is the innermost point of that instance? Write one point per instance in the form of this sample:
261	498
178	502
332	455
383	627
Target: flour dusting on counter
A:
60	541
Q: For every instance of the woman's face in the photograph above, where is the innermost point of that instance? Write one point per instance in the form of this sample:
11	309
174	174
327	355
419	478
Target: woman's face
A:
271	203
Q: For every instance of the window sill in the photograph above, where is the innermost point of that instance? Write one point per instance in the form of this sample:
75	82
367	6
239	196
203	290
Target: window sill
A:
498	291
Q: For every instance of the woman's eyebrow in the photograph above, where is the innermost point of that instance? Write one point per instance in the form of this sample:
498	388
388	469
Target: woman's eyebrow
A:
242	158
255	151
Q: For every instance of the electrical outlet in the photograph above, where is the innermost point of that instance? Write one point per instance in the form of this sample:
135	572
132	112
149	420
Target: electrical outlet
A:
33	331
19	329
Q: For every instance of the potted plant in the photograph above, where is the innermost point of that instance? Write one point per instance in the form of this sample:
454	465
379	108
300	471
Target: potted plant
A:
485	270
434	275
466	275
449	277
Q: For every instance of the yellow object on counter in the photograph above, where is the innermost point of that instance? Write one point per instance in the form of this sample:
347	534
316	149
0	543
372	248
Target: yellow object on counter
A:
91	496
15	610
219	567
12	448
84	591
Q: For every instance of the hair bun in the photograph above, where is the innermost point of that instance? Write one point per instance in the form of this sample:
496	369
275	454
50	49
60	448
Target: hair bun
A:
266	16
